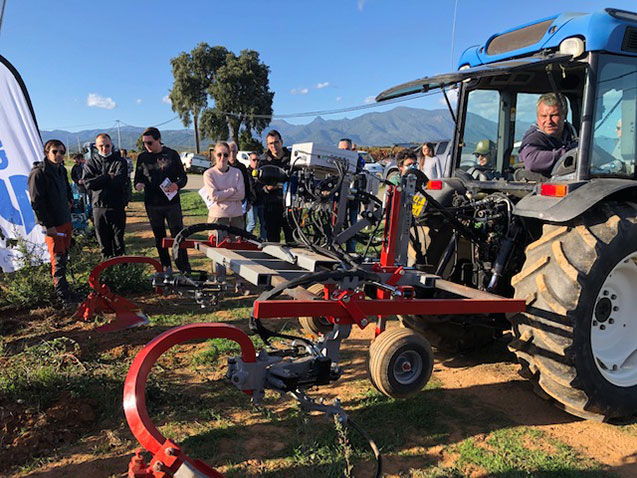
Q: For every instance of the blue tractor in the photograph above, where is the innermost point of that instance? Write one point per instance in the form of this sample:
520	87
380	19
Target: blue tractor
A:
565	241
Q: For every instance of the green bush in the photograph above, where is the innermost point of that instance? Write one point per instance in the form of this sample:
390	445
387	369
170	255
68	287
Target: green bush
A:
30	285
127	278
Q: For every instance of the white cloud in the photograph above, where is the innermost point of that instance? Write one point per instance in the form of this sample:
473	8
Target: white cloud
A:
97	101
361	5
370	100
324	84
339	99
138	101
166	99
299	91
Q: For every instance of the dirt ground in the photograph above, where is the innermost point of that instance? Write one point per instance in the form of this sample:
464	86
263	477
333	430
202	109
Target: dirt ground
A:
75	443
479	382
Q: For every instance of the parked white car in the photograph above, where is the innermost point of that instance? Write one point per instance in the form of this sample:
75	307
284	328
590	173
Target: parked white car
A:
195	163
371	164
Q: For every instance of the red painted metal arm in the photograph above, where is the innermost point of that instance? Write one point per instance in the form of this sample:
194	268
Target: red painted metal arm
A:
134	387
349	312
238	244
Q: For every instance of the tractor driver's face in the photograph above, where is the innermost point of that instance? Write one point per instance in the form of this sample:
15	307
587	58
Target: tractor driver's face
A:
550	119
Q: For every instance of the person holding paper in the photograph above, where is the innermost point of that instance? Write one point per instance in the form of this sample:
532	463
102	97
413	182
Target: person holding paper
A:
160	174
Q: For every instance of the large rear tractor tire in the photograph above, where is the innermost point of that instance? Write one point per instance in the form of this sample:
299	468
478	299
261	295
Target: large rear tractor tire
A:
400	362
316	326
578	337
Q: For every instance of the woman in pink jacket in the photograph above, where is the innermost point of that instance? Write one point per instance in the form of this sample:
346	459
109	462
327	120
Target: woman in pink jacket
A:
224	186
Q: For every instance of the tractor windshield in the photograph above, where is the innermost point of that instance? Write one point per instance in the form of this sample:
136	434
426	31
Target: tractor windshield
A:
614	136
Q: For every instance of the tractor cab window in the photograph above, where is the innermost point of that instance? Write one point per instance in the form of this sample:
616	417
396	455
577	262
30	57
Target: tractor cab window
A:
481	130
614	136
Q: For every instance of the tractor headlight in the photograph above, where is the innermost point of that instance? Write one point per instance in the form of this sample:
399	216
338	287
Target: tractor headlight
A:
572	46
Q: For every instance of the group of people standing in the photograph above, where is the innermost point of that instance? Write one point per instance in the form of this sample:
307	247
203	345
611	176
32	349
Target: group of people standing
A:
159	173
239	199
105	176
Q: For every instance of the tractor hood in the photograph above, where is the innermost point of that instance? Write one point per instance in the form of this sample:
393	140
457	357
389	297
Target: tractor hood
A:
492	69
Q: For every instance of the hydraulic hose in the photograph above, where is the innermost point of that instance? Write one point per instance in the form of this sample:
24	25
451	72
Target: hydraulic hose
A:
190	230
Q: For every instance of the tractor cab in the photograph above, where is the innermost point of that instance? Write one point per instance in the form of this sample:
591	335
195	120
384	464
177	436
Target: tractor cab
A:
589	59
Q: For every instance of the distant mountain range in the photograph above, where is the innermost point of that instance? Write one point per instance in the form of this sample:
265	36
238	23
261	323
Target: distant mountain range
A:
399	125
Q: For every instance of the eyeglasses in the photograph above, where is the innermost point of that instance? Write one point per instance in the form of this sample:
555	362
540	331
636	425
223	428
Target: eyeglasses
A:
149	142
58	151
222	155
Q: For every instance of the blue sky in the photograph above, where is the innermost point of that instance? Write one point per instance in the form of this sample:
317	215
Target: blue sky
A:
87	64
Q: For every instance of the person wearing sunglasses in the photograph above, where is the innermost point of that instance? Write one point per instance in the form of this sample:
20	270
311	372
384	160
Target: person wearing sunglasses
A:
51	200
255	213
406	161
160	174
484	153
225	188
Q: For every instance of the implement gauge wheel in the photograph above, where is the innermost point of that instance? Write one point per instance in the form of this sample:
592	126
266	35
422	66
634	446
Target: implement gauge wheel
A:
316	325
577	339
400	362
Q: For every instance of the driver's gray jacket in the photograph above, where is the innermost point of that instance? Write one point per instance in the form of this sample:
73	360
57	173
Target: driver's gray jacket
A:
540	151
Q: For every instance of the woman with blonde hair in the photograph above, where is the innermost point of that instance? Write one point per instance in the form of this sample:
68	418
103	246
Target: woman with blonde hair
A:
225	188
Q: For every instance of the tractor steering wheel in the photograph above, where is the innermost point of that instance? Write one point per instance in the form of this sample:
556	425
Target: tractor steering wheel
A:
566	164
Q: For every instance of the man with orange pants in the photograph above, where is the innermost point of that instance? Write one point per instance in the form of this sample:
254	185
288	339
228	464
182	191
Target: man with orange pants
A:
51	200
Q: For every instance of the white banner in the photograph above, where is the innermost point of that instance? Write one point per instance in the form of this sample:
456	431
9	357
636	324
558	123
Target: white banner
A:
20	147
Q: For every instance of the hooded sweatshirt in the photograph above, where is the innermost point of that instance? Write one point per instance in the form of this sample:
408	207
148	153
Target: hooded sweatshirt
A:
540	151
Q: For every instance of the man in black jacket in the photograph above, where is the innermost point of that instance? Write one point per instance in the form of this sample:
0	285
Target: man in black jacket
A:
77	171
105	176
272	196
160	174
51	200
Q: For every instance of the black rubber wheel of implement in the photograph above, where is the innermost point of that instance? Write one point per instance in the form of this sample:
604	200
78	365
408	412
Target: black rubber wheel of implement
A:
400	362
316	325
578	338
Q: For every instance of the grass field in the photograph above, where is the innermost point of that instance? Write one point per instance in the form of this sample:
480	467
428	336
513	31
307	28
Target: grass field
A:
61	398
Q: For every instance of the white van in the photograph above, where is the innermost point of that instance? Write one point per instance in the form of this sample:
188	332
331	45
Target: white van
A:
194	163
